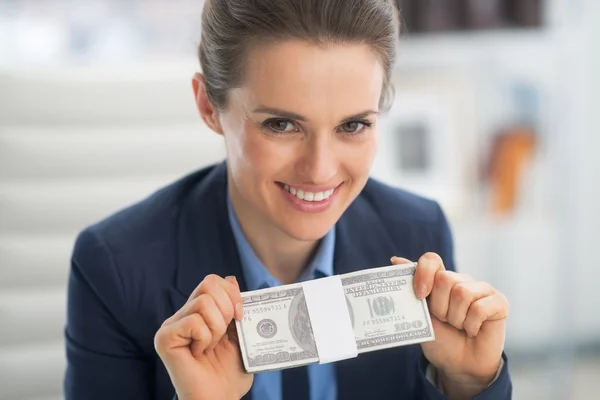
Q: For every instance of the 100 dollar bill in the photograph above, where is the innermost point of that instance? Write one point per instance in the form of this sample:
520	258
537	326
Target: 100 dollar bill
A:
276	331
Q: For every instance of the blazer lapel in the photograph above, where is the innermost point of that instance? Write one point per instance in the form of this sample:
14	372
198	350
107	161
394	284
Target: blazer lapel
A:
361	240
205	241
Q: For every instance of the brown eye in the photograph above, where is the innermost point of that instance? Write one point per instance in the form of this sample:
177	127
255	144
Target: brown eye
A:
350	127
279	125
354	126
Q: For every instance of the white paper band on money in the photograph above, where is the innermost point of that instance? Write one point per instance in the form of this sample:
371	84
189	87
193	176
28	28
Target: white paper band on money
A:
330	320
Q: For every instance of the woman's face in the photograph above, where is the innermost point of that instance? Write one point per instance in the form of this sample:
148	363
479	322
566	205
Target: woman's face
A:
301	134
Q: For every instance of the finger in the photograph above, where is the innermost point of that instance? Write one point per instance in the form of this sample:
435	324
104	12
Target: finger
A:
238	307
229	284
427	266
222	301
191	329
233	280
491	308
439	298
211	282
399	260
462	295
203	337
206	306
213	317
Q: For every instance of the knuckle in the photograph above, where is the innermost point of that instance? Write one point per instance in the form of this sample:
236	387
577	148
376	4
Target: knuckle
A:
204	302
193	306
159	340
220	328
213	278
444	278
228	312
195	320
488	287
209	281
478	310
204	335
196	323
471	328
462	293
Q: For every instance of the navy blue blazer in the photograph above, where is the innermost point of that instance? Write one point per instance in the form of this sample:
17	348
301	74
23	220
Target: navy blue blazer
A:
133	270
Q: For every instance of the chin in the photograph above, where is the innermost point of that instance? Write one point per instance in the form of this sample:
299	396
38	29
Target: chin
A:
307	230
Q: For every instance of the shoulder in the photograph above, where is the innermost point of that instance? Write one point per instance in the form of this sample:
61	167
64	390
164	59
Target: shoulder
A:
137	242
128	258
145	222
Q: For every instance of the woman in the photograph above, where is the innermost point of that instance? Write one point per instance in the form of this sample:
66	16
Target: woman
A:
295	88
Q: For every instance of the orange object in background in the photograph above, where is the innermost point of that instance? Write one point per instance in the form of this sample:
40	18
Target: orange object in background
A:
510	154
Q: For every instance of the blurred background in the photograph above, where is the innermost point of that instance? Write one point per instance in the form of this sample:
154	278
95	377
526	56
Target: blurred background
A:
496	116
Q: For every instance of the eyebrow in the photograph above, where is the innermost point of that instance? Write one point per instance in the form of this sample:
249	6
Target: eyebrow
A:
290	115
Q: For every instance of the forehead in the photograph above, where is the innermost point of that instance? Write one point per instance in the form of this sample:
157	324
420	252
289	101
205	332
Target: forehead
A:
312	79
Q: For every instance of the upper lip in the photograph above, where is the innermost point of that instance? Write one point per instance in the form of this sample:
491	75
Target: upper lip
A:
312	189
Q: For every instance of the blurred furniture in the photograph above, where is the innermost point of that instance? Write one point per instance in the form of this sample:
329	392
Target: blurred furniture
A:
76	145
451	16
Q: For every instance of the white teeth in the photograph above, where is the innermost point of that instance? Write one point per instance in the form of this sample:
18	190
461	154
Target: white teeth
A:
308	196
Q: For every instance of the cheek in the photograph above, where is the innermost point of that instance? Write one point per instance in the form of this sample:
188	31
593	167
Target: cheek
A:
359	160
251	154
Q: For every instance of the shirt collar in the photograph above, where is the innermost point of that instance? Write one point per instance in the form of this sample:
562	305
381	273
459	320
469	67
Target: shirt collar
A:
256	274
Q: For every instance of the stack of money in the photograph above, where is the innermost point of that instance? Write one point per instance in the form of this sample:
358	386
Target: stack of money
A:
276	331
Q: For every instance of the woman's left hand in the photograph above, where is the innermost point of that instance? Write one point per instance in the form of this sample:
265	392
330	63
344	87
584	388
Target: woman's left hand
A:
469	321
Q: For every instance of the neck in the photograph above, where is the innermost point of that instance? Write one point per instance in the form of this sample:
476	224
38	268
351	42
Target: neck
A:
284	257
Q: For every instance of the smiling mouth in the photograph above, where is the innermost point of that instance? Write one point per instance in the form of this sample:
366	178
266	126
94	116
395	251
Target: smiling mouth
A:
306	195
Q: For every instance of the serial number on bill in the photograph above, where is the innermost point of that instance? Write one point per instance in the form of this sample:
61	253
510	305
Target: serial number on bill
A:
263	309
384	320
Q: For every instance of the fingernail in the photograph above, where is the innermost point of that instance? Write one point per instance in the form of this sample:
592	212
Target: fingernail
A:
239	311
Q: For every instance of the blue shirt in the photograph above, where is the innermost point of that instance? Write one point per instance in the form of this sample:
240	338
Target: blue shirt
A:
267	385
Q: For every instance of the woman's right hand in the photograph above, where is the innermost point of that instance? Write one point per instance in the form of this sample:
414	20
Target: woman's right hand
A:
199	347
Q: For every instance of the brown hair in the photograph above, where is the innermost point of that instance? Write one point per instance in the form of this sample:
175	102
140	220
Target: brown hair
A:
231	27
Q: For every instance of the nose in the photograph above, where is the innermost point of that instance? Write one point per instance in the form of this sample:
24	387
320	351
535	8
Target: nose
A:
319	162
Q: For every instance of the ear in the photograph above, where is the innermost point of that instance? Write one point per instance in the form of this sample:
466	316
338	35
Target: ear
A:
208	112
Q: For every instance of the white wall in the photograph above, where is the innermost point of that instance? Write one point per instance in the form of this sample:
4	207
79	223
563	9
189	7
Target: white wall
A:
586	169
